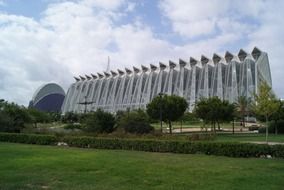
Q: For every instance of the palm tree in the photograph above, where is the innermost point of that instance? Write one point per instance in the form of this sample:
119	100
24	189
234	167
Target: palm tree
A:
242	107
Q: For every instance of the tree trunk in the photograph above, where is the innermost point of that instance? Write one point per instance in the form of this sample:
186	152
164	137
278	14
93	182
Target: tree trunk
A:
181	126
234	126
218	125
170	126
244	125
266	131
276	127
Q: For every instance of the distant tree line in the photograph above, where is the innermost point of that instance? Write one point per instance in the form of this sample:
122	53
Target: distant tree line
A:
211	111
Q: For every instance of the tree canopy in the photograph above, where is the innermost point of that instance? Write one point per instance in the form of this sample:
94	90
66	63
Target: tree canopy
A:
171	107
266	104
213	110
13	117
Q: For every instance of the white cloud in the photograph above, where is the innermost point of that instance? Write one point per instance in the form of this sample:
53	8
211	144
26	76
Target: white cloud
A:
193	18
215	25
75	38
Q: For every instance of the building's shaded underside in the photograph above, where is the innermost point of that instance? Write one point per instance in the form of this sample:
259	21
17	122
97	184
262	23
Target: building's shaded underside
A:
48	97
227	77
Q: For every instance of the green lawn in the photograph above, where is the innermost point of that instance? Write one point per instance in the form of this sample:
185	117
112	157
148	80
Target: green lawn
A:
46	167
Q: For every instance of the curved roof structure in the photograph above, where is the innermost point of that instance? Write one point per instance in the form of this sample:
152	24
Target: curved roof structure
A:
48	97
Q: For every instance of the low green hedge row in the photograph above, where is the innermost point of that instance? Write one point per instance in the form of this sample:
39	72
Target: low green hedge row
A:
28	138
230	149
211	148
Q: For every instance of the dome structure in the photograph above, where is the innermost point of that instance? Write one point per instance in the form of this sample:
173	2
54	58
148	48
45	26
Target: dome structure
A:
48	97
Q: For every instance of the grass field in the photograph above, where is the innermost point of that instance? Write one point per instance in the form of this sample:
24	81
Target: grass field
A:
45	167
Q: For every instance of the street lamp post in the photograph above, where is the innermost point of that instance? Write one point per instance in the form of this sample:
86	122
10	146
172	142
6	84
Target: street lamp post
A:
85	103
161	114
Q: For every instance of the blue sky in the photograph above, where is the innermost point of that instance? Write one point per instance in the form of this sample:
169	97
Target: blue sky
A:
53	40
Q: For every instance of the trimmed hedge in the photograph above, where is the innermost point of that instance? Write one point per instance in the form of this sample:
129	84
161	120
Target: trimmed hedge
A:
230	149
28	138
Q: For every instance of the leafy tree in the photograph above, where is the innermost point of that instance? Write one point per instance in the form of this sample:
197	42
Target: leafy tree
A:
39	116
265	104
54	116
135	122
6	123
242	106
70	117
214	111
189	117
13	117
99	122
171	107
278	115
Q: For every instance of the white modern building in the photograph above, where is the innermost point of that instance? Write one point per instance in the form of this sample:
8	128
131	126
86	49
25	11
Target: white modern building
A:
227	77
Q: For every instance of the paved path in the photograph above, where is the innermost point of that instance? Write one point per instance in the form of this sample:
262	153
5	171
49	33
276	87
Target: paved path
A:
263	142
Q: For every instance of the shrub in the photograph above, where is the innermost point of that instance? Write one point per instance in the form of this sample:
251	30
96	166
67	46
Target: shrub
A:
13	117
99	122
6	123
28	138
230	149
135	122
186	147
70	117
73	126
272	126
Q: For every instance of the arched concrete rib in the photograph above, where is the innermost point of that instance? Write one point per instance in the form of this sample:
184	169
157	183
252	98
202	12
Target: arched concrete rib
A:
88	77
228	56
216	58
204	60
144	69
120	72
94	76
106	74
113	73
256	52
77	79
192	61
100	75
153	67
128	71
172	64
82	78
136	70
182	63
162	65
242	54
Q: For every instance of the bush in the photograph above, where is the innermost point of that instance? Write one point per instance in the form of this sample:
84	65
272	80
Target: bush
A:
211	148
185	147
99	122
13	117
135	122
28	138
6	123
73	126
70	117
272	127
